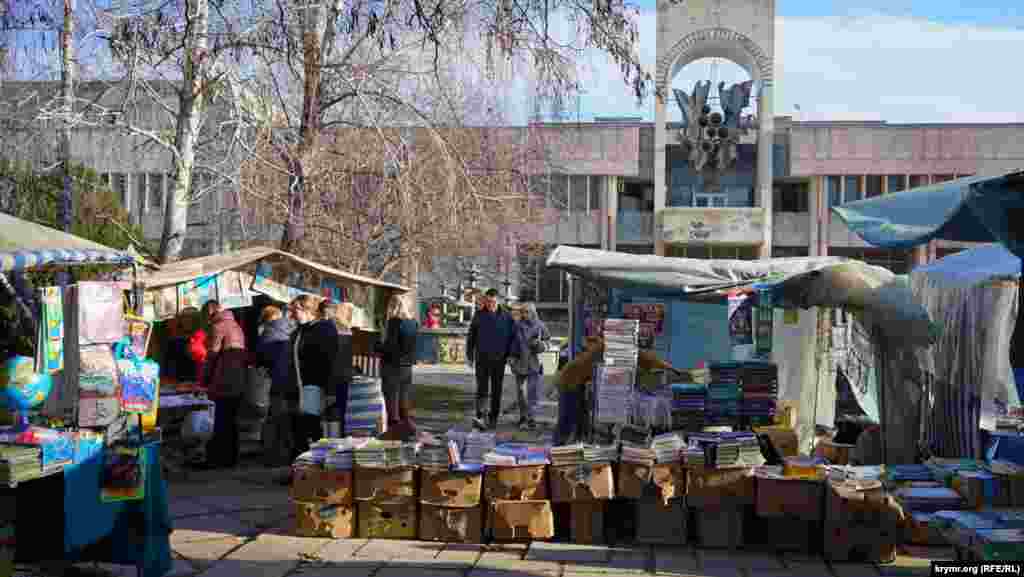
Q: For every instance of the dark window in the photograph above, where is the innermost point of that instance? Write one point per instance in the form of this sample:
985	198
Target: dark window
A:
896	183
578	192
873	185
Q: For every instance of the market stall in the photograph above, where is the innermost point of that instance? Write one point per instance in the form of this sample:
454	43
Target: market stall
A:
973	295
245	281
76	401
683	306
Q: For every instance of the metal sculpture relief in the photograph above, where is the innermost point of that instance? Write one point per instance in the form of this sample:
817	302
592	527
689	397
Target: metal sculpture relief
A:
711	137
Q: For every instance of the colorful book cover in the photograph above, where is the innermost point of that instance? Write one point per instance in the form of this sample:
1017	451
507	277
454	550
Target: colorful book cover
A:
140	385
137	330
232	291
100	312
53	330
124	472
166	305
195	293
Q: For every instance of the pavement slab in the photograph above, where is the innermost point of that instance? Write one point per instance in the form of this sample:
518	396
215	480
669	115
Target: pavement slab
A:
247	499
210	527
462	554
413	571
630	559
341	570
675	560
342	551
280	520
523	569
567	553
187	507
385	550
202	554
758	561
271	547
906	566
232	568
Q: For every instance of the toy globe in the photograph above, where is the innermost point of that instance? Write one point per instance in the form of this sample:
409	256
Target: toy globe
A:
21	387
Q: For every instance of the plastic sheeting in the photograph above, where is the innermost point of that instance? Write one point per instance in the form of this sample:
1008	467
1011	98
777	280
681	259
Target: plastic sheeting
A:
806	373
972	296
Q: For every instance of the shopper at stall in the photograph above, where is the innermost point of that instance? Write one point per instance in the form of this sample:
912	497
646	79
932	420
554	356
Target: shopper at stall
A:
342	371
491	339
227	367
197	343
399	355
532	338
271	354
313	346
433	320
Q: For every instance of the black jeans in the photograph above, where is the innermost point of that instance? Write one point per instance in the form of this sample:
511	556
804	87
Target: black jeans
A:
222	450
490	378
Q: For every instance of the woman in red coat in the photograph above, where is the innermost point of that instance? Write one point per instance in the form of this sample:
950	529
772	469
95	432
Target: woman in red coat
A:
197	350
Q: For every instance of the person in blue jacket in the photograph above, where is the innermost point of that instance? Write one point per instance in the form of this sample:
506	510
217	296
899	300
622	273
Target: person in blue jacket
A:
491	340
271	354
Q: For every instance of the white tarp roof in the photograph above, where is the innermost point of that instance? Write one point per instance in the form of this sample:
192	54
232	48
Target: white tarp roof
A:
972	267
877	295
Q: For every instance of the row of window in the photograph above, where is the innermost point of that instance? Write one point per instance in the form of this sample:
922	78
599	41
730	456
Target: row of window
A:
145	192
850	188
574	193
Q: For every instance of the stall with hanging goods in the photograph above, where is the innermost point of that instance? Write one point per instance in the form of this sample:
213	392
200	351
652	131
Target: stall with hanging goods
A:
106	471
800	343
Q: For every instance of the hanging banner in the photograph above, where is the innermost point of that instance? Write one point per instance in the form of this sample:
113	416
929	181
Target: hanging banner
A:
196	293
652	323
763	325
51	349
741	326
233	290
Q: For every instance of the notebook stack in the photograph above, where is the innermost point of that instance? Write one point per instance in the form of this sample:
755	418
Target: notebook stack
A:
600	453
725	450
473	446
434	455
385	454
365	409
637	455
929	499
340	453
306	460
688	402
724	394
20	463
668	448
760	389
908	473
567	455
620	342
511	455
613	394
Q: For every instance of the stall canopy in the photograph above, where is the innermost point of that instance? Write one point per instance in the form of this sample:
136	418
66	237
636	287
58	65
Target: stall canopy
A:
191	269
26	245
877	295
973	209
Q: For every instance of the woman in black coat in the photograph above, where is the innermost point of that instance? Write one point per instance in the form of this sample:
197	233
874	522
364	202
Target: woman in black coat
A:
342	370
399	355
314	344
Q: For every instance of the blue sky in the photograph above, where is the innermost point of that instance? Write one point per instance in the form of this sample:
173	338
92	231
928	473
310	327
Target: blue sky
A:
899	61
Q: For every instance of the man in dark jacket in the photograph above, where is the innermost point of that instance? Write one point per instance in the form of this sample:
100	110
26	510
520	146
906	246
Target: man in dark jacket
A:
491	339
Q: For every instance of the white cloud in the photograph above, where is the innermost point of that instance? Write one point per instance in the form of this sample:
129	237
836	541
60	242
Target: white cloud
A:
897	69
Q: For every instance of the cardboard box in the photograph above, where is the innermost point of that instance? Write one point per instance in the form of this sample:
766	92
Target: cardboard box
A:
442	488
316	485
633	480
451	524
719	528
708	488
781	534
395	485
521	520
844	542
528	483
387	520
670	480
588	523
658	523
586	482
837	453
860	502
784	440
324	520
778	496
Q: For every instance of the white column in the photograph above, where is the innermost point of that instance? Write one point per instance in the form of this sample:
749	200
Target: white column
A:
612	210
660	186
765	145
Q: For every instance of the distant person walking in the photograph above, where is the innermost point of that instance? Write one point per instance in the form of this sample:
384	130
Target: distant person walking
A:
491	341
227	372
532	338
399	355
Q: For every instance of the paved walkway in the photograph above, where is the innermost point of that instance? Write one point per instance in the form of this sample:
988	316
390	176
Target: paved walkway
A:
238	525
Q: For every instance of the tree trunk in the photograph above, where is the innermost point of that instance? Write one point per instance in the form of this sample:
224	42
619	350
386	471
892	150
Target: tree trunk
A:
309	130
67	95
191	104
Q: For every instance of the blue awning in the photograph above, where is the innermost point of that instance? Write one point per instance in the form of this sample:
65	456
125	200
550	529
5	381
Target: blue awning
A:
27	259
973	209
26	245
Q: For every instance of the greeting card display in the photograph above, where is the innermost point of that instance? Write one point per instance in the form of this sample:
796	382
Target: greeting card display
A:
100	313
124	472
140	385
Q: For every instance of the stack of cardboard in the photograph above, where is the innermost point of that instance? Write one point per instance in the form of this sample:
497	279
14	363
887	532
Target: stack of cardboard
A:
323	502
386	501
518	505
450	505
795	494
586	486
719	498
661	512
861	522
634	471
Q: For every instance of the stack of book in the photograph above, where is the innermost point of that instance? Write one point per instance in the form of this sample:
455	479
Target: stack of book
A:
434	455
600	453
688	403
566	455
760	392
668	448
613	394
516	455
620	342
20	463
725	450
724	394
385	454
637	455
929	499
472	446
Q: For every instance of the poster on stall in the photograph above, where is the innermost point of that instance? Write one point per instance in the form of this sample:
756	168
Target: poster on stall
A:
329	289
741	326
195	293
124	475
166	303
140	385
51	349
233	293
100	313
763	326
264	284
651	316
137	330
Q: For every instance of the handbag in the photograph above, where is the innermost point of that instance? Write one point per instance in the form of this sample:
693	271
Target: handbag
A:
309	395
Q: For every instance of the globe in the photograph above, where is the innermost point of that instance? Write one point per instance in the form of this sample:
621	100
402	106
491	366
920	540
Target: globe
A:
21	388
